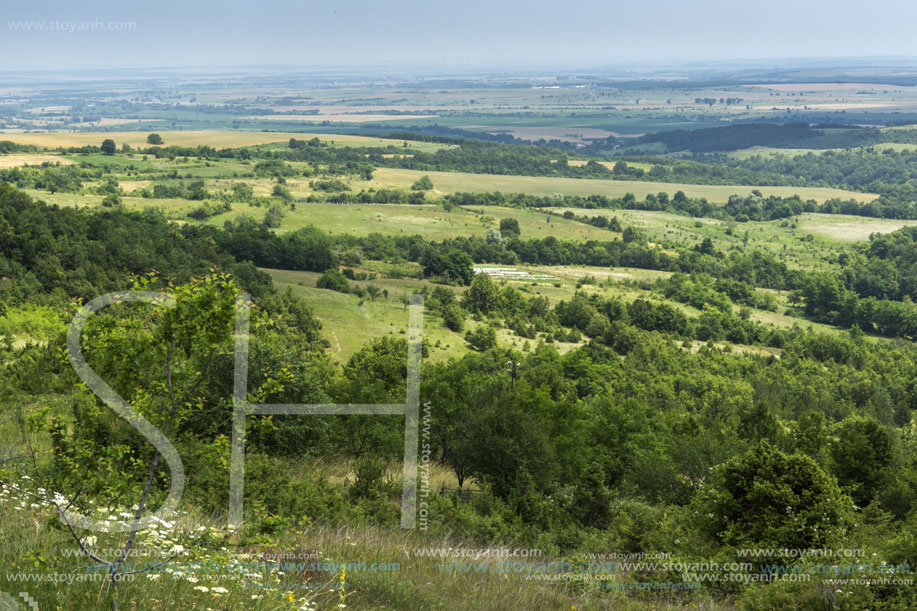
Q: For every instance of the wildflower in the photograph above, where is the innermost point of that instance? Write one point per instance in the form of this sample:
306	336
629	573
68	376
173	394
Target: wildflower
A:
202	588
219	590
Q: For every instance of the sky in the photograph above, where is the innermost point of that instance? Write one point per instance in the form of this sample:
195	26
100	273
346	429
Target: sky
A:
60	35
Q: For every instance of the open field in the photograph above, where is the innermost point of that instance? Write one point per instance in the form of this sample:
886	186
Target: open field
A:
844	228
453	182
429	221
340	118
787	240
17	160
348	324
216	139
646	167
348	321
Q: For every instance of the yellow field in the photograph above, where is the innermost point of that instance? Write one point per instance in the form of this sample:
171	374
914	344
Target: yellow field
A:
452	182
216	139
646	167
340	118
14	161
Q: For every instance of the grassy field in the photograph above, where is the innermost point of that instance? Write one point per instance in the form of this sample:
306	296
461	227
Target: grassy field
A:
349	322
845	228
428	220
809	242
216	139
452	182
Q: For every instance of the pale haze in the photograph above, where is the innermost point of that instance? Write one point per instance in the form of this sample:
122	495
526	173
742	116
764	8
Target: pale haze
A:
470	33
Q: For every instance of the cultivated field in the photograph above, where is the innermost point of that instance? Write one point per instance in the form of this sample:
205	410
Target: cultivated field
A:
15	161
216	139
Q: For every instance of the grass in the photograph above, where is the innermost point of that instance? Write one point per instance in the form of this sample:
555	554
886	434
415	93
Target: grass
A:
410	580
452	182
844	228
348	324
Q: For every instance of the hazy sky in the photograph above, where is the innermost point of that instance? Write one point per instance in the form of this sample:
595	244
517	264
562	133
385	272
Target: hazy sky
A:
314	33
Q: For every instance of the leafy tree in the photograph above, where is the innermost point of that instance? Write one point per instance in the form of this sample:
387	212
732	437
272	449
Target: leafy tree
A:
771	499
483	338
111	201
509	227
333	280
153	139
861	457
811	435
282	192
454	317
273	218
593	499
242	192
377	373
454	265
422	184
483	296
373	291
109	147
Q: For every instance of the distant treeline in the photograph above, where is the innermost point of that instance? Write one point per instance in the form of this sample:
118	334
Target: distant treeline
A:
737	137
892	174
7	147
